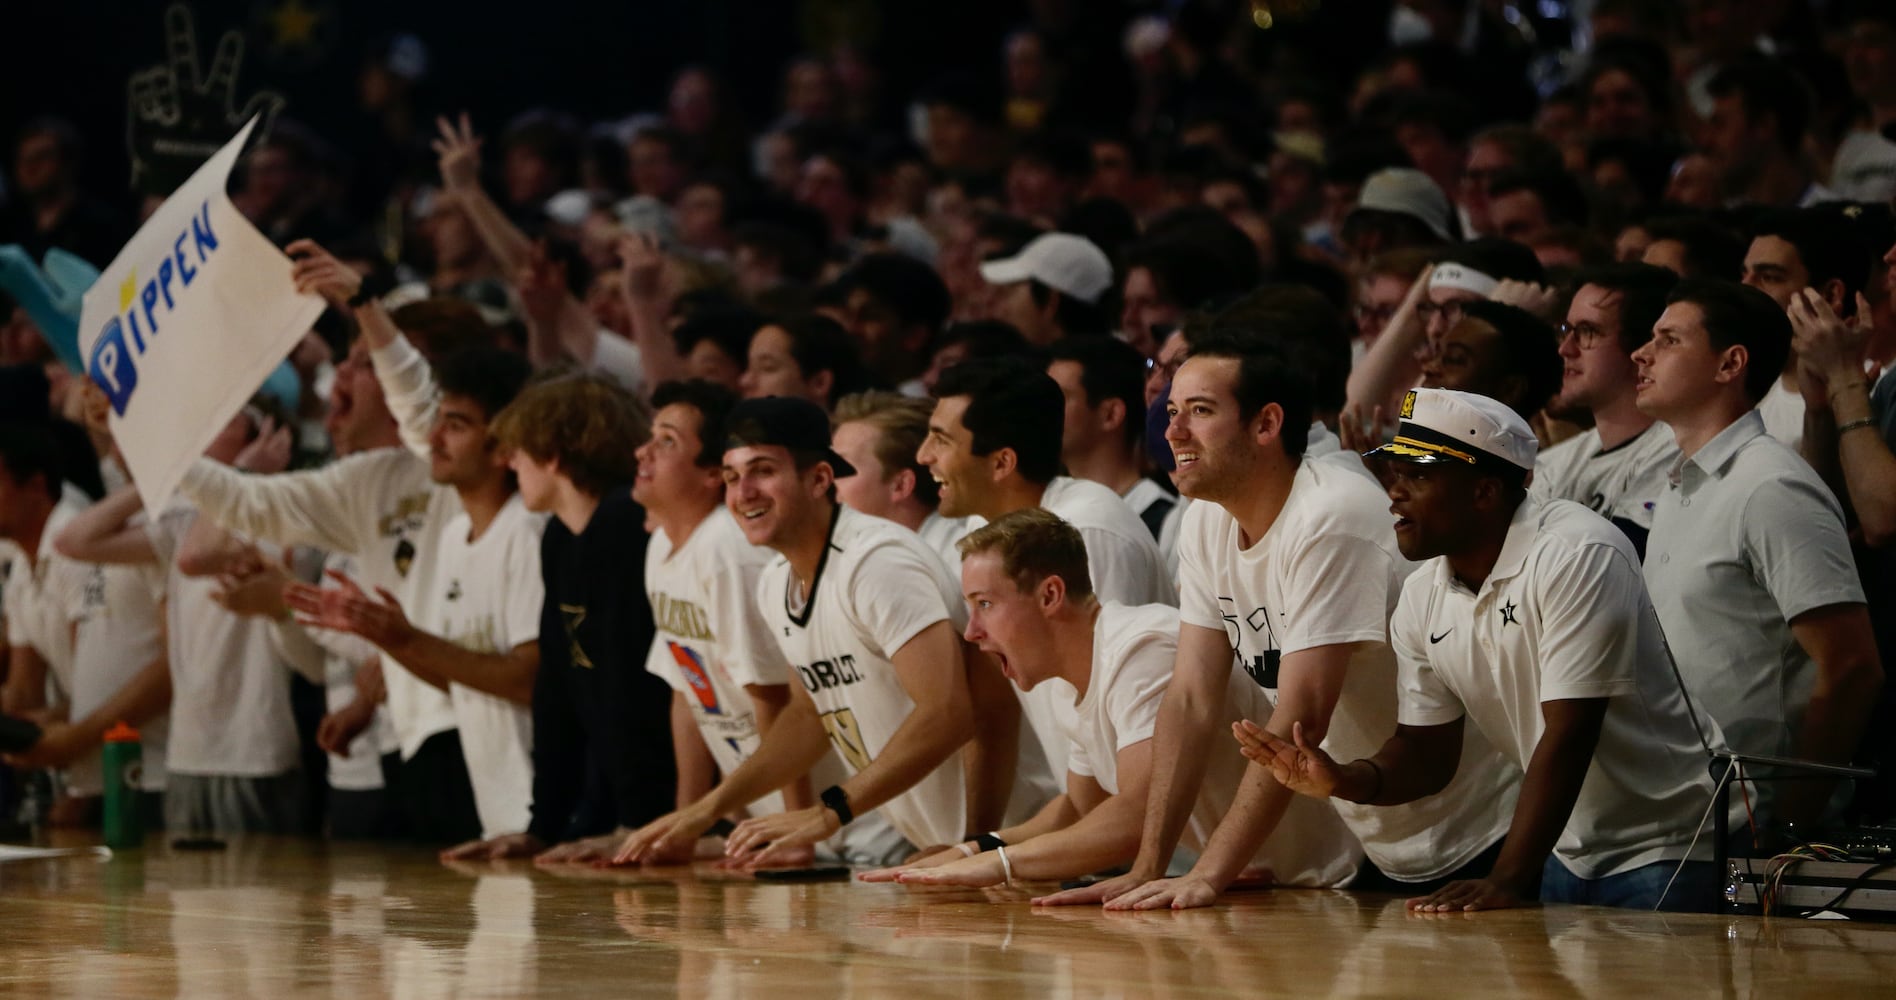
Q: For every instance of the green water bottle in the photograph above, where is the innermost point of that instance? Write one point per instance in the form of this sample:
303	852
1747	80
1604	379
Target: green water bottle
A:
124	778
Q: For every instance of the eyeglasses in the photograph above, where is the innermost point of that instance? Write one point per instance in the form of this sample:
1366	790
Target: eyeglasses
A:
1450	311
1380	314
1588	334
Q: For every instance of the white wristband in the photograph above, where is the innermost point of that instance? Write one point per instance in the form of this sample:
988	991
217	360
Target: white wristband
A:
967	849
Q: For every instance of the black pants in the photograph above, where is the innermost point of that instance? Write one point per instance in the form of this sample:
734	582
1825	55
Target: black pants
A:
432	792
1370	878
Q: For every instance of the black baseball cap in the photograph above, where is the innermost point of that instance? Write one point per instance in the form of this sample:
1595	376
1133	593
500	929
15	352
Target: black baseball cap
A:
788	422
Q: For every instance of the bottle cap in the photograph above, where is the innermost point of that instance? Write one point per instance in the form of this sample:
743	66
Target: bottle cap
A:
121	733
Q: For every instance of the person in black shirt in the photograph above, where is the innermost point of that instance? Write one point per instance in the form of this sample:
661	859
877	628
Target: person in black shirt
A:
602	747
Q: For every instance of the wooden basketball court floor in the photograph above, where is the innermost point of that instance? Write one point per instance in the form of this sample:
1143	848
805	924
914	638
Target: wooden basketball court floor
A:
289	918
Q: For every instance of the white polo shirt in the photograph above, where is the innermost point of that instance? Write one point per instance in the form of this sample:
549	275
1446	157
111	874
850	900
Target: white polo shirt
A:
1621	483
1563	615
1746	538
1133	653
1328	573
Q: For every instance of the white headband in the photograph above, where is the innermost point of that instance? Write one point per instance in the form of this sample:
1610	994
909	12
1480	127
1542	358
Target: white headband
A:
1461	276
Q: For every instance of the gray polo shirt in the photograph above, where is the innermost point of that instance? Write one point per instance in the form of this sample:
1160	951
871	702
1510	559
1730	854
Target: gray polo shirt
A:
1746	538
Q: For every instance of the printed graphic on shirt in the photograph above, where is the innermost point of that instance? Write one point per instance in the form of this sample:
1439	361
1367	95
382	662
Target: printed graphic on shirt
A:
682	618
846	736
407	520
833	673
1263	666
691	665
572	615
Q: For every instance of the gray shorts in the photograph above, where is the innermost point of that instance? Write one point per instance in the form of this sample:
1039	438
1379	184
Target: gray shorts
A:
198	804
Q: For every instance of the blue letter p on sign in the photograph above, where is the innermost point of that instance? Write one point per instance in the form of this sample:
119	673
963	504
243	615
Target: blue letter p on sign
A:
112	367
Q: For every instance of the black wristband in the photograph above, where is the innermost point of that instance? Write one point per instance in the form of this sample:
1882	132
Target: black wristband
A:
988	841
722	828
837	801
362	297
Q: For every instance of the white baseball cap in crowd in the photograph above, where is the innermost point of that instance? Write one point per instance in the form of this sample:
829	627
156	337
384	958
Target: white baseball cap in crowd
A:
1405	191
1442	425
1068	264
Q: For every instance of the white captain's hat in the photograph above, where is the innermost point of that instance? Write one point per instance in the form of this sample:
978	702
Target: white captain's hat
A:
1444	426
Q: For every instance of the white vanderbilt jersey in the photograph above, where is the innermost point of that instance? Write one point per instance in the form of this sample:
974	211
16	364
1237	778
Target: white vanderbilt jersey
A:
1133	653
877	587
487	599
709	644
1621	484
1328	573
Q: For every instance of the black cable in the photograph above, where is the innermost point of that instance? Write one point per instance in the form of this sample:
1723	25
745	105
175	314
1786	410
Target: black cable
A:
1857	883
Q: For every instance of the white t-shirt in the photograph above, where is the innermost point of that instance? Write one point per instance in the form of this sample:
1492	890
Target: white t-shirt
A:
1133	653
1126	568
1783	413
487	599
1563	615
117	633
1121	555
710	642
379	506
1864	168
941	533
230	694
1622	483
877	587
1322	445
1327	572
38	601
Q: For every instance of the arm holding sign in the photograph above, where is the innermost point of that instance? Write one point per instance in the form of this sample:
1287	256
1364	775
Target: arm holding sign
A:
407	382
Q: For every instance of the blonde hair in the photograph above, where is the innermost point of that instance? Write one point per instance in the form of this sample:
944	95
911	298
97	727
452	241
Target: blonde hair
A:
901	423
1034	544
585	421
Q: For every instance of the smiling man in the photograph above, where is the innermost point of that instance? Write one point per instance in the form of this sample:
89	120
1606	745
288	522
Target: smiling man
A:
866	616
1531	621
1031	606
1289	565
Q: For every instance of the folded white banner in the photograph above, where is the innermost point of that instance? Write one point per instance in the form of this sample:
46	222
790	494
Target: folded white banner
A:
186	324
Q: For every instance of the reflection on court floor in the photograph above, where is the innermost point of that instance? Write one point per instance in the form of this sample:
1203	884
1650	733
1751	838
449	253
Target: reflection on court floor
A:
286	918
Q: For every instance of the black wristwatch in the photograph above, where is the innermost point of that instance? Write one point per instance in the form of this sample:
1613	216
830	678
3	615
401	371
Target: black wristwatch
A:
837	801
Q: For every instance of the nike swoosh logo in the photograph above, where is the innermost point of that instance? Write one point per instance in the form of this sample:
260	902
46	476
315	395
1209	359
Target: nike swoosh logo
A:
1433	638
